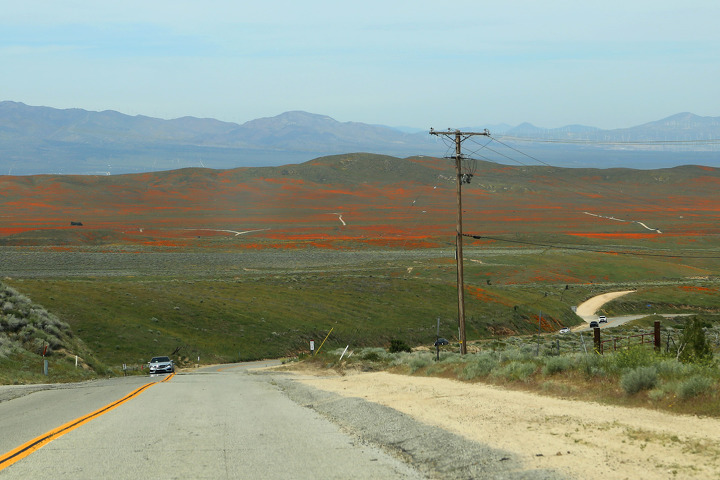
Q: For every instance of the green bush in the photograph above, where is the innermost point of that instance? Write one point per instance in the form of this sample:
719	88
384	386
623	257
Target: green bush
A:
452	358
6	347
693	386
371	357
480	366
671	368
555	365
373	354
398	346
633	357
694	347
515	370
521	354
640	378
420	361
656	394
592	364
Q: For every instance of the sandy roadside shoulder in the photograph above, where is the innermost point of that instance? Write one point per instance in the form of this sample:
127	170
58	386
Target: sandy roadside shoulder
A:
583	440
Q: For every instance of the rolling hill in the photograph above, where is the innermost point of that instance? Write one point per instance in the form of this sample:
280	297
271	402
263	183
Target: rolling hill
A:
376	197
253	262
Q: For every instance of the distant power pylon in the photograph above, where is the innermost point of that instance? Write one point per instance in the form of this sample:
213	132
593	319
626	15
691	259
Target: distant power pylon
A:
458	137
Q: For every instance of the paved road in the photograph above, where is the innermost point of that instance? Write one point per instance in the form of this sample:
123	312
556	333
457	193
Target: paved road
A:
31	410
214	423
611	322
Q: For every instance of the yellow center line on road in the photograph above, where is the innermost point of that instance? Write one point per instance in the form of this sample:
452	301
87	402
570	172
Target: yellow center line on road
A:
26	449
227	368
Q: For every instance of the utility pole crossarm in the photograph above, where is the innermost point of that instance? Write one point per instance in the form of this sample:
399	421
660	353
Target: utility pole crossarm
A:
459	180
485	132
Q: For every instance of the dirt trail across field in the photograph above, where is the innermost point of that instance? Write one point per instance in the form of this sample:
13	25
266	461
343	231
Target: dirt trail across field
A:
587	309
580	439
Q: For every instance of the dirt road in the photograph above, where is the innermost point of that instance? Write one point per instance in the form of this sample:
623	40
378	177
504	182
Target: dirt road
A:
579	439
587	309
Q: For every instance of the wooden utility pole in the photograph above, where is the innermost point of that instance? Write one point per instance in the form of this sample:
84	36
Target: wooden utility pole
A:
458	138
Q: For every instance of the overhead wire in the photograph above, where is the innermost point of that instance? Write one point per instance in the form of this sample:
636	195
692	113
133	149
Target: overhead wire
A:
610	188
417	202
618	194
522	153
585	249
711	141
484	146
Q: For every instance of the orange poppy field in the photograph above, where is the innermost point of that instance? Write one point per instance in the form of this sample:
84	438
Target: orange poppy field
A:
360	201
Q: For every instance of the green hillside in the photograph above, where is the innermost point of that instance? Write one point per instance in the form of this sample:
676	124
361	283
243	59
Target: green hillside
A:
274	311
256	262
126	320
29	334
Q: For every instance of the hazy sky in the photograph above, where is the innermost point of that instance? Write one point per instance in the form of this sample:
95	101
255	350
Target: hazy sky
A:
413	63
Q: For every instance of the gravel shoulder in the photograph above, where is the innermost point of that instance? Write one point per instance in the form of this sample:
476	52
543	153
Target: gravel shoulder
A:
436	453
541	437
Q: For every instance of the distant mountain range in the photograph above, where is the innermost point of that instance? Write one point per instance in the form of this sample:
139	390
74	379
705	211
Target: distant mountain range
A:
43	140
682	127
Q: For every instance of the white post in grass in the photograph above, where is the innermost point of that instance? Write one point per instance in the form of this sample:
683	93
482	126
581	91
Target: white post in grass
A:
343	354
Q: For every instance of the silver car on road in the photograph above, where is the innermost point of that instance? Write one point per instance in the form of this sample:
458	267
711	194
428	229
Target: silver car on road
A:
161	365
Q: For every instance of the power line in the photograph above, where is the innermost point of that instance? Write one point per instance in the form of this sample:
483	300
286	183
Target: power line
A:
618	194
523	153
572	187
592	250
712	141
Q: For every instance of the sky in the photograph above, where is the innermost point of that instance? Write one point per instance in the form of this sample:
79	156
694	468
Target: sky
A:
422	64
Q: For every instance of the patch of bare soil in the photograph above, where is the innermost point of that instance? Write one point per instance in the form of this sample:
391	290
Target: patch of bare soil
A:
581	439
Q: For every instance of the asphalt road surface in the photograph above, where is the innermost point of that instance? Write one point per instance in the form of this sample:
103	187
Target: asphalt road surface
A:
233	421
209	424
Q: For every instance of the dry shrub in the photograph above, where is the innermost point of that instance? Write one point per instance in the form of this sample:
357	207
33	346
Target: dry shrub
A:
640	378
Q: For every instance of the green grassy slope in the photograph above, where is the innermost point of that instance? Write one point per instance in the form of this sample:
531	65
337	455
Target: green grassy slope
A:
270	312
126	320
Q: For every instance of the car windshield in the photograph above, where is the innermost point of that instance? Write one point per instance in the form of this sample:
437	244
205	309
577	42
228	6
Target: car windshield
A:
160	359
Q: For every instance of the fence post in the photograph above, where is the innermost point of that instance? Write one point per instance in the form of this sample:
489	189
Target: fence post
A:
657	335
598	345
